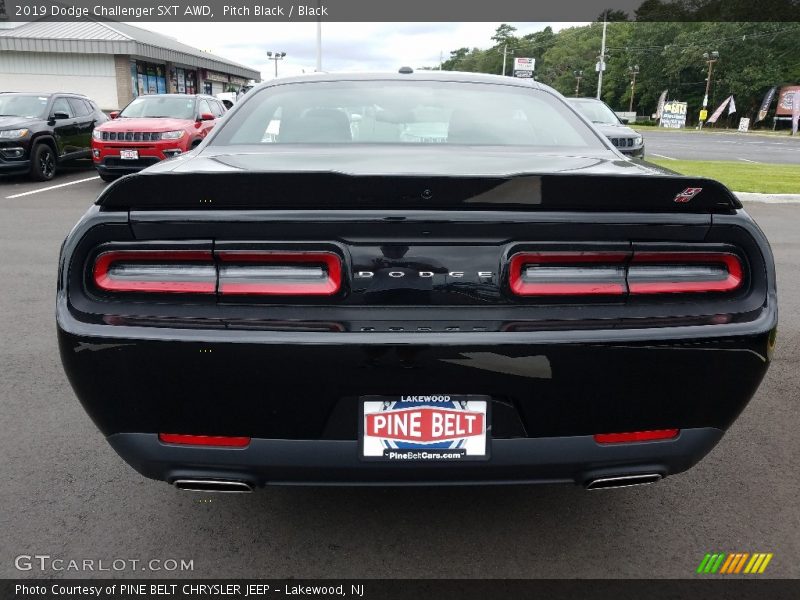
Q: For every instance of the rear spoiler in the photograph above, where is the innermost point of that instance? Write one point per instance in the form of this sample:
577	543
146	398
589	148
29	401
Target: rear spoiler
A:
327	191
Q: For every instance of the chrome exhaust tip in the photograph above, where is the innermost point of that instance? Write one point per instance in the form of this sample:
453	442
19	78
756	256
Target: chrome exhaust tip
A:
605	483
220	486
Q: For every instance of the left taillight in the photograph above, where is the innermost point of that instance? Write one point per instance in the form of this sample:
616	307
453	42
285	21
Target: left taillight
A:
224	272
156	271
279	273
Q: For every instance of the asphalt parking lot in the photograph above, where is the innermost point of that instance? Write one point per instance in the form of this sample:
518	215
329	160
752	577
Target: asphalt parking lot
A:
66	494
744	147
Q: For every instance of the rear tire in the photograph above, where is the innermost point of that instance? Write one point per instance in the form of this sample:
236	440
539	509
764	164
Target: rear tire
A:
43	162
108	178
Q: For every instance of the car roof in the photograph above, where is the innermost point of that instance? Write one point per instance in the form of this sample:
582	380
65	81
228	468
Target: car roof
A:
48	94
445	76
175	96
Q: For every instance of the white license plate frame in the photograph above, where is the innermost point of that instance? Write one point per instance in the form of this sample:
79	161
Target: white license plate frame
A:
129	154
424	429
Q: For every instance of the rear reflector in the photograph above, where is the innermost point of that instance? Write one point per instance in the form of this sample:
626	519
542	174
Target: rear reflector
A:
684	272
204	440
636	436
156	271
279	273
568	273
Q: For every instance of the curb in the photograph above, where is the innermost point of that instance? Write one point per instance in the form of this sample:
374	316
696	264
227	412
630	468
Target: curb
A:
768	198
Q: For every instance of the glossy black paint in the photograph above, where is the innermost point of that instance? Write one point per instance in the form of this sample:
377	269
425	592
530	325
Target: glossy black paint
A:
289	372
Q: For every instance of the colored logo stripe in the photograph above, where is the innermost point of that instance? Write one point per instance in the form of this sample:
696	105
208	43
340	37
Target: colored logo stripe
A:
734	563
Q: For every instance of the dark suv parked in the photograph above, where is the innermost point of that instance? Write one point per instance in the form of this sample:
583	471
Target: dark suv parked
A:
40	131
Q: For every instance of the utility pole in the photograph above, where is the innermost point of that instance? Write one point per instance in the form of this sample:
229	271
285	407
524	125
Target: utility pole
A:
710	60
506	51
634	71
319	39
602	63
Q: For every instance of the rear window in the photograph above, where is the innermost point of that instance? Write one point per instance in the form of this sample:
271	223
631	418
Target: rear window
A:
401	112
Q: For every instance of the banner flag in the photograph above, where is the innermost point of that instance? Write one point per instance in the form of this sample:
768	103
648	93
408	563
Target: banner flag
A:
713	118
731	107
661	100
765	103
795	112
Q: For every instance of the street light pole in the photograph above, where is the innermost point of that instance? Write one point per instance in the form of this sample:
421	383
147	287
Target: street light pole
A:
578	77
634	71
276	56
710	60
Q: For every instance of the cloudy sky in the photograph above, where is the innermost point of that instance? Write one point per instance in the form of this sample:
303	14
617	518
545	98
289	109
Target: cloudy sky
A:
345	46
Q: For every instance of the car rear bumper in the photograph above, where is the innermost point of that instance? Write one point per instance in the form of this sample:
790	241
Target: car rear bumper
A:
573	459
300	401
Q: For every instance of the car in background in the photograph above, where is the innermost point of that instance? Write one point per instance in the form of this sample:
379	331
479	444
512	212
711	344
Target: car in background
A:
472	286
151	129
626	140
39	132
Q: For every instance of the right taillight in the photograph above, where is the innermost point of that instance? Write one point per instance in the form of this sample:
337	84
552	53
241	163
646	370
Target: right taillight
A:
684	272
568	273
619	273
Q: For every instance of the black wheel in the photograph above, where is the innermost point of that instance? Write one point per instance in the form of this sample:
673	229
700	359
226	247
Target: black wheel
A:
43	163
108	178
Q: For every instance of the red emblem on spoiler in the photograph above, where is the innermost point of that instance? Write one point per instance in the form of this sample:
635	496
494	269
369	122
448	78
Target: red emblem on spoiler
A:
687	194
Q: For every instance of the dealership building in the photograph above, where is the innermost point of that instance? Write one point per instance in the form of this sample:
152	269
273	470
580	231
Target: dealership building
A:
110	62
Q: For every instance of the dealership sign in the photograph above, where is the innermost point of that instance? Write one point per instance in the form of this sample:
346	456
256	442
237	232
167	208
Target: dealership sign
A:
523	67
424	428
673	116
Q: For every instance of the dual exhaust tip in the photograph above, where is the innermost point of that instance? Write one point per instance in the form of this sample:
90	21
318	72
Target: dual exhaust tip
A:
229	486
605	483
220	486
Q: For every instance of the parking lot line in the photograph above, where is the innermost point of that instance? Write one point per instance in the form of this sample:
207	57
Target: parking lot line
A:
662	156
52	187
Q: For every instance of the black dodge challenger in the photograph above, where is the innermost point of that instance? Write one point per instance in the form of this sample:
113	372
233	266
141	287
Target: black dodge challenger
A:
428	278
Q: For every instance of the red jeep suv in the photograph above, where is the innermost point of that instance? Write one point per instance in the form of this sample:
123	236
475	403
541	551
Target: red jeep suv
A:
150	129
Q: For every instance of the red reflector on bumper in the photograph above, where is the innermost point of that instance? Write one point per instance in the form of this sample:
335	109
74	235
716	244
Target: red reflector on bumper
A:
204	440
636	436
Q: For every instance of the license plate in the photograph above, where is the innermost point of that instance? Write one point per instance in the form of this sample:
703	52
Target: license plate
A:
129	154
432	428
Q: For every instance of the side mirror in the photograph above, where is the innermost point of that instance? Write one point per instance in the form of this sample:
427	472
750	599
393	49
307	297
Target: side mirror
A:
113	114
59	116
207	117
624	121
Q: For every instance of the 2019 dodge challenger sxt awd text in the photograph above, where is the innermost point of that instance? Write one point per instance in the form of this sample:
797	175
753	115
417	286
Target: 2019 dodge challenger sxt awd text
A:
413	279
